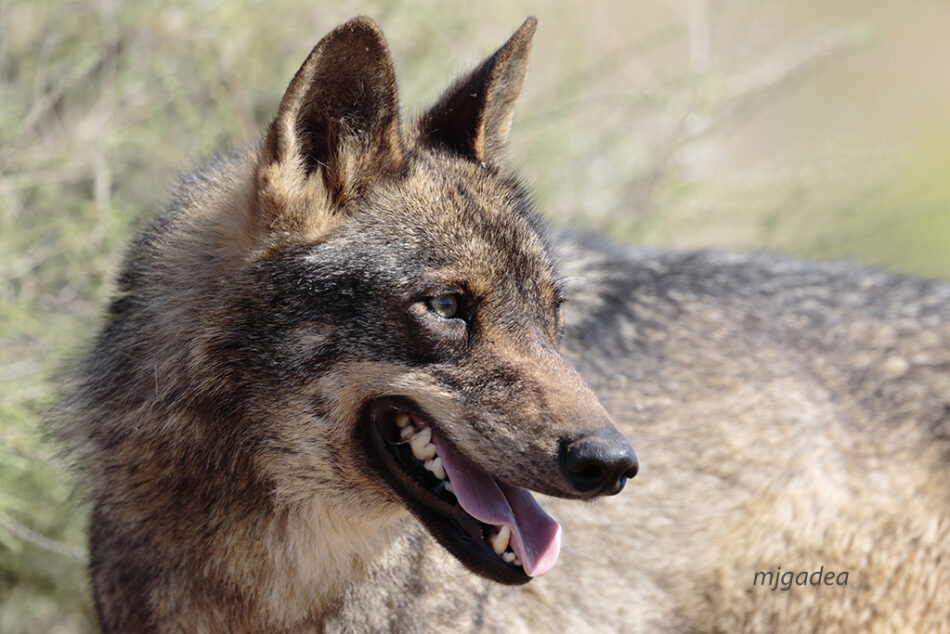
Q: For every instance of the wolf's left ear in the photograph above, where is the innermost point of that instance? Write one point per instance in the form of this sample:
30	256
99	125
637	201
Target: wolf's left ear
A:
338	120
473	117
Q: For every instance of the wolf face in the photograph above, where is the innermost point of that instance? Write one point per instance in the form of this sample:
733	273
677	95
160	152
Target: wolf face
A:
413	298
355	319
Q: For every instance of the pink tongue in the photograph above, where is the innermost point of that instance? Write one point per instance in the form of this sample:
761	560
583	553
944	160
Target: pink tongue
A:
535	536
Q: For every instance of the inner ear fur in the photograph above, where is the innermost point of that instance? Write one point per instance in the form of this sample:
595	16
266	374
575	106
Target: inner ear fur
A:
473	118
338	120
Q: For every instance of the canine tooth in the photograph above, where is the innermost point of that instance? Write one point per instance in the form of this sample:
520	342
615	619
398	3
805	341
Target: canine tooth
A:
435	466
499	541
448	486
402	419
508	556
406	433
422	449
516	561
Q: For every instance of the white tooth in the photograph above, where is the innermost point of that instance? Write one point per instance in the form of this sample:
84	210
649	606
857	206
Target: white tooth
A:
406	432
422	449
402	419
508	556
439	470
499	541
425	434
435	466
516	561
448	487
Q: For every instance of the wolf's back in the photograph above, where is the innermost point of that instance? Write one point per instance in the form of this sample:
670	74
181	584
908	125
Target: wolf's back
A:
795	416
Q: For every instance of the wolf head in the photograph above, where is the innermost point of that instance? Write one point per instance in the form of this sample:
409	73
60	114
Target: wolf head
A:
408	335
356	317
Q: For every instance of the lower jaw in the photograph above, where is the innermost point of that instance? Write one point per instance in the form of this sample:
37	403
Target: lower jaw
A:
457	531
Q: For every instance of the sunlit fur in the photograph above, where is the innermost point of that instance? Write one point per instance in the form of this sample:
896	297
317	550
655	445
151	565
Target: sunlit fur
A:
786	414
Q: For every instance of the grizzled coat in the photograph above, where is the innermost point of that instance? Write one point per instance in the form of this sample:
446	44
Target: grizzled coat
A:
787	414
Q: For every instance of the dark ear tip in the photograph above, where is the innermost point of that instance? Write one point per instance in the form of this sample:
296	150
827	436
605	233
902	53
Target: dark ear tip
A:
360	28
530	24
521	39
361	23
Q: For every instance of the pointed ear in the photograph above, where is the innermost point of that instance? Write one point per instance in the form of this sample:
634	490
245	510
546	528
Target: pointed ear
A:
473	117
338	120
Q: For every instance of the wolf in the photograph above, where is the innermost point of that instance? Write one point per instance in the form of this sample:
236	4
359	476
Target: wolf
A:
348	380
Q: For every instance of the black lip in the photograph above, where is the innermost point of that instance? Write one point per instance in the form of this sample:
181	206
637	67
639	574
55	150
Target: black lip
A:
457	531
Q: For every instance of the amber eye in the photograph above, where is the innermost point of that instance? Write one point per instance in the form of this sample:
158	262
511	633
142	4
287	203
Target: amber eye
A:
445	306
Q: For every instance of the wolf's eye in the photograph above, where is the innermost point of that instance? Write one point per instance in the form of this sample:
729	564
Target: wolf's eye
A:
445	306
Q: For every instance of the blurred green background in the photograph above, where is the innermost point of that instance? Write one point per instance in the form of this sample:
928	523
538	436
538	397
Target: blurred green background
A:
814	128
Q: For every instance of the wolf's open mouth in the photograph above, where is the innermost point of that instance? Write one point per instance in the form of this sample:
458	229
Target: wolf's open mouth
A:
497	530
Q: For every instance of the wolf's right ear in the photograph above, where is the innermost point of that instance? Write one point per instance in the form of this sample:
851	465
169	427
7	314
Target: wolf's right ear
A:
474	116
337	128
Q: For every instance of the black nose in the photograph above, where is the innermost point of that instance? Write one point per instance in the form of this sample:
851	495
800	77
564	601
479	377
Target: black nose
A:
599	463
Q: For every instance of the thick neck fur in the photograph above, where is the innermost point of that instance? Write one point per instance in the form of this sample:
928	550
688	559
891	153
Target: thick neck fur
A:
309	557
215	546
174	459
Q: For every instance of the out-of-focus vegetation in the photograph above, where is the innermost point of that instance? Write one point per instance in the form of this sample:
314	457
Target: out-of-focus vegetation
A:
789	125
